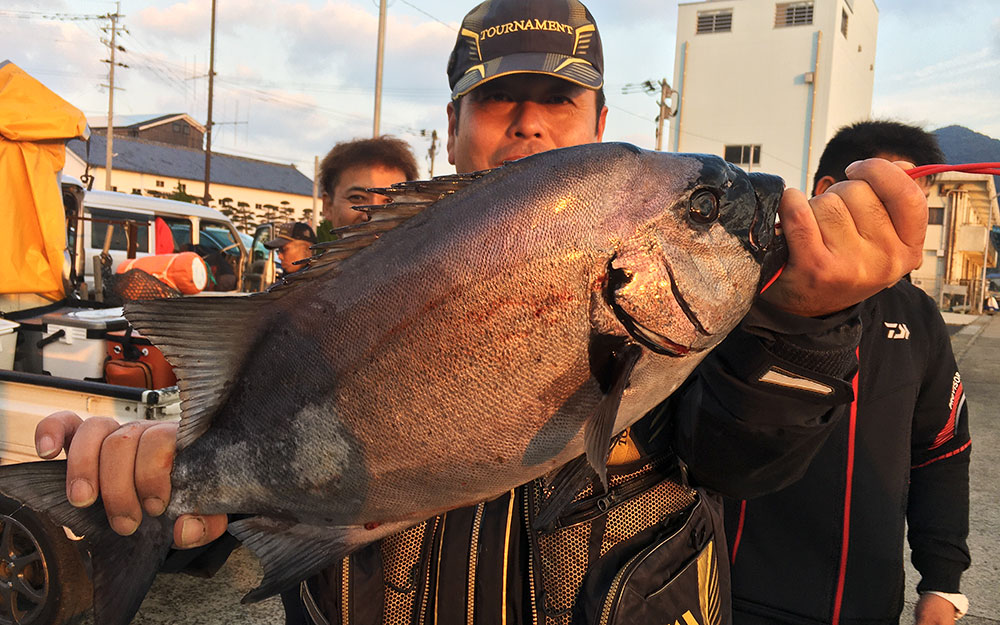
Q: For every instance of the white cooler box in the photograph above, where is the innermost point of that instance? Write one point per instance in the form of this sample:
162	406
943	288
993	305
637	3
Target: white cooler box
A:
79	351
8	341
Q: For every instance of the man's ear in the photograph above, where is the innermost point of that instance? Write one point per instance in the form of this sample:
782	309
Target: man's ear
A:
327	209
602	119
823	184
452	131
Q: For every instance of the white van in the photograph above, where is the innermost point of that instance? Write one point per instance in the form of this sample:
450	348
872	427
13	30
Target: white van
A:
138	221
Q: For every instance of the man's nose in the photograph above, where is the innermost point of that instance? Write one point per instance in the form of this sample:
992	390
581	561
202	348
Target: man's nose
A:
528	120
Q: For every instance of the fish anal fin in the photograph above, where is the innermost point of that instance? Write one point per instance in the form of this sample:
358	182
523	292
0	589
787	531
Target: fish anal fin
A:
571	479
207	340
600	427
291	552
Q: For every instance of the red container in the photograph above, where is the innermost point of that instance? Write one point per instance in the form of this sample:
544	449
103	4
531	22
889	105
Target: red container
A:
134	361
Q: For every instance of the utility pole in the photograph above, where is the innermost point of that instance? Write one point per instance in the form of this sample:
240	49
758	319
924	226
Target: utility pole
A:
208	123
666	110
314	221
378	67
666	92
114	47
432	152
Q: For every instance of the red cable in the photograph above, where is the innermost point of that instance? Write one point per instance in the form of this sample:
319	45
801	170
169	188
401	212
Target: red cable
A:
971	168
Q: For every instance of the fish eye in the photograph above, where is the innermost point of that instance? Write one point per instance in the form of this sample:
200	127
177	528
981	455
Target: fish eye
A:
703	207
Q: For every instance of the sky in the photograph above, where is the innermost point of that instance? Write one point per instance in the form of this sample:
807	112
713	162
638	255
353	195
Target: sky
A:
293	78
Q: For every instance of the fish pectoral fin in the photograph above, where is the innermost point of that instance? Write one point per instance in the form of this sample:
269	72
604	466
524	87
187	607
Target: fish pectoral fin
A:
599	428
293	552
206	340
572	478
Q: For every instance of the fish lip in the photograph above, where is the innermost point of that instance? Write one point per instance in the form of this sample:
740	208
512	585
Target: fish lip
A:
653	341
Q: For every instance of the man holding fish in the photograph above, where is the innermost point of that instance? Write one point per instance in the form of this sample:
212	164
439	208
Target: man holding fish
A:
527	77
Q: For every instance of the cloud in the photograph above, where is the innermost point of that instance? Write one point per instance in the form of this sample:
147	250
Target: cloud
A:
182	21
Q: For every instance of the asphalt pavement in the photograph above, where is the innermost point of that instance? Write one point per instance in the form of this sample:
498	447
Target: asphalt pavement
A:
194	601
977	350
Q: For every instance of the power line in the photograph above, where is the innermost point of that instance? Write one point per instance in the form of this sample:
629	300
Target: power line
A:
413	6
40	15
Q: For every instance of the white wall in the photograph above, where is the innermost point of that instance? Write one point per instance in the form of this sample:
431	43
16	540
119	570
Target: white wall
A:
748	86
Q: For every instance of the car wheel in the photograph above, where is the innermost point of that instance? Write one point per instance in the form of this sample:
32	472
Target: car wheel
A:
43	577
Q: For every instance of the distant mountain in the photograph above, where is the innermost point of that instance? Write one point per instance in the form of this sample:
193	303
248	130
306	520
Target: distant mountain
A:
961	145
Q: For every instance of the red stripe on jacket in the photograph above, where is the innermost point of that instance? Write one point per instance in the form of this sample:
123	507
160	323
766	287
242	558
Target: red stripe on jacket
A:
943	456
739	532
948	431
842	572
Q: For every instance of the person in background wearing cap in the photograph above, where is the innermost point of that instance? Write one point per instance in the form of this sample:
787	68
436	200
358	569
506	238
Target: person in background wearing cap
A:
526	76
351	168
292	240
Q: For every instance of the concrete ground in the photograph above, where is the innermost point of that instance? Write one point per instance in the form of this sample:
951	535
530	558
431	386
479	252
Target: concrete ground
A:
977	350
194	601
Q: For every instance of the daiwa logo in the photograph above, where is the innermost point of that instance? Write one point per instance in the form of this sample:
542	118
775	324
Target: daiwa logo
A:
897	330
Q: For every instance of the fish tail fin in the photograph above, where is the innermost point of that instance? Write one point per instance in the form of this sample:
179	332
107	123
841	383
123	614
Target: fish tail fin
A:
123	566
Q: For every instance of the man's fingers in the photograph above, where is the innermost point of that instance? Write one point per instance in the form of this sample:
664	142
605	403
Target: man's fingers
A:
83	458
191	530
902	198
154	459
54	433
117	473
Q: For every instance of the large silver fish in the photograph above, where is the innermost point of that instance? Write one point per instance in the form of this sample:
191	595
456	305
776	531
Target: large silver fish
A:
479	332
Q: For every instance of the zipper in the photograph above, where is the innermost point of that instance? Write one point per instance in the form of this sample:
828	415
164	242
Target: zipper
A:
345	585
614	592
473	564
528	517
426	589
591	507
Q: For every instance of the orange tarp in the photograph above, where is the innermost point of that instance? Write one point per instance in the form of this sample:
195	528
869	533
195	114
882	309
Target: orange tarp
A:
35	124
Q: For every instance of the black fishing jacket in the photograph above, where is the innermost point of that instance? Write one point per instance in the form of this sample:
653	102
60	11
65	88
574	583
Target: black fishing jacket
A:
652	547
829	549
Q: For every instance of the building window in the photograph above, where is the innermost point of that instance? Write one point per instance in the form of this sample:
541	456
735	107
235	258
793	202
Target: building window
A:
743	154
793	14
178	127
843	23
136	191
159	183
935	215
115	189
182	187
715	21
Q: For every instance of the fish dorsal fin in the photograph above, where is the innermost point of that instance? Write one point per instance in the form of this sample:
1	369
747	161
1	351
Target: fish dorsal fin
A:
408	199
207	340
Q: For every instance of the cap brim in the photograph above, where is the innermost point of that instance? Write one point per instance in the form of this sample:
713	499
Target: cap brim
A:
279	242
572	69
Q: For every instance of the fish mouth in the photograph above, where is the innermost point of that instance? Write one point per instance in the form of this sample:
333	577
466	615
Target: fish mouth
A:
644	336
651	340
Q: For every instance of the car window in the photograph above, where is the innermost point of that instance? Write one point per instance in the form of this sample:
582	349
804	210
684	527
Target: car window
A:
118	219
221	236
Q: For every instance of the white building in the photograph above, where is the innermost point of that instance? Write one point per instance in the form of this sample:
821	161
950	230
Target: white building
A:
962	210
767	83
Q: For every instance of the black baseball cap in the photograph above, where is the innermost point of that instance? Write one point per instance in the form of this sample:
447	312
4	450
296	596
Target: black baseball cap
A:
500	37
292	231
